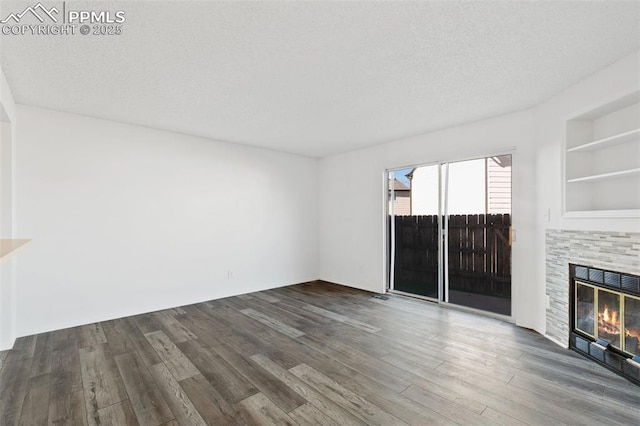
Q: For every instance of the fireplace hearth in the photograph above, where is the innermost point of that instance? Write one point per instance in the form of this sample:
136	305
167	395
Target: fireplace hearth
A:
605	318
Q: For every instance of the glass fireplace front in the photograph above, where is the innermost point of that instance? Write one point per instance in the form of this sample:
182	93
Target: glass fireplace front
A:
585	308
608	315
632	325
604	315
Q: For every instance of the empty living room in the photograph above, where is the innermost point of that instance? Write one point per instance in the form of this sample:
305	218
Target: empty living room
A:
319	212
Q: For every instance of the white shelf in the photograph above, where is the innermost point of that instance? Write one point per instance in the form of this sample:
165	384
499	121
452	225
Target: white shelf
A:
578	214
605	176
602	174
610	141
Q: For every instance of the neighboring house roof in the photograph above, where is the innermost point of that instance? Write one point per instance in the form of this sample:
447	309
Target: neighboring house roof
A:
399	186
410	174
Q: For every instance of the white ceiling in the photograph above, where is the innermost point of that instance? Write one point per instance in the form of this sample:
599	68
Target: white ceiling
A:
318	78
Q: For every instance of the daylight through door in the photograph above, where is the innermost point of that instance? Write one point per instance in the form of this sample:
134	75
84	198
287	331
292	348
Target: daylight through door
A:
450	232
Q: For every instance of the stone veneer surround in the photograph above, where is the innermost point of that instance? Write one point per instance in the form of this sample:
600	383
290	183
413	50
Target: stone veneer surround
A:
615	251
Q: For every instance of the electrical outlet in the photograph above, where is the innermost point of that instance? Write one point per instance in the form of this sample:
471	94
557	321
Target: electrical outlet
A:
229	274
547	301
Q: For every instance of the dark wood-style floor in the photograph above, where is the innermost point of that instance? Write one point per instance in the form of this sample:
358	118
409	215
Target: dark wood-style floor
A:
313	353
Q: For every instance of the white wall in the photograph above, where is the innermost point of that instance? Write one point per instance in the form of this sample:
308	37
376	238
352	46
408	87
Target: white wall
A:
352	200
6	181
620	78
7	205
6	98
127	219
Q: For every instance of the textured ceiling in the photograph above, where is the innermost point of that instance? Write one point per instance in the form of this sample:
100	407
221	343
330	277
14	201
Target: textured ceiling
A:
317	78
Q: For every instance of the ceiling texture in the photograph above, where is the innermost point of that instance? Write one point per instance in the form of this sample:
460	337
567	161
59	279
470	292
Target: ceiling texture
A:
317	78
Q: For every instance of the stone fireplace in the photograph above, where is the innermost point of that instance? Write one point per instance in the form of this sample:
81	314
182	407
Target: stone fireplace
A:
584	267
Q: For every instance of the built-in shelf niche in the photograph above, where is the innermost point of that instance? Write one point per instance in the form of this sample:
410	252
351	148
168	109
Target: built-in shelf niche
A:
602	160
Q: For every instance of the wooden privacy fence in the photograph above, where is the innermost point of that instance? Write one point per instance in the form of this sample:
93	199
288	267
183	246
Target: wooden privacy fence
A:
479	253
416	255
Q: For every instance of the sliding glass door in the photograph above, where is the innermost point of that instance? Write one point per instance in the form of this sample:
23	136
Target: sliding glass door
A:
449	232
477	220
414	225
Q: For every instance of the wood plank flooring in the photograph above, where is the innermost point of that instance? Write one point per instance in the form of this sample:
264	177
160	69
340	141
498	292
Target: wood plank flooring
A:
309	354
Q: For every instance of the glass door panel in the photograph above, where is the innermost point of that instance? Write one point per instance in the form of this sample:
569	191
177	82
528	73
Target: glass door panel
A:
415	233
477	226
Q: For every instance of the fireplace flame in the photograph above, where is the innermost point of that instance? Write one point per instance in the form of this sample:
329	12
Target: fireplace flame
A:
608	321
609	317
